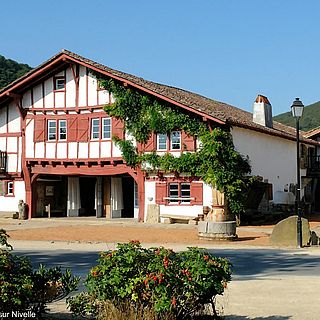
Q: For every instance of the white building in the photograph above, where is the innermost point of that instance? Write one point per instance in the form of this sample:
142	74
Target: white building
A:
56	146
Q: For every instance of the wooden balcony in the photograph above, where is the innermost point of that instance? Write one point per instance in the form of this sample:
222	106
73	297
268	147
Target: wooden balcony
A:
3	161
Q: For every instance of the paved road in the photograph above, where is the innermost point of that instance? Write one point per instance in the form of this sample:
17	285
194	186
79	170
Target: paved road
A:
268	284
248	263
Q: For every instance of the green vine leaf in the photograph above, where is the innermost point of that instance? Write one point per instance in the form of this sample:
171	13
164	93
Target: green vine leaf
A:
216	161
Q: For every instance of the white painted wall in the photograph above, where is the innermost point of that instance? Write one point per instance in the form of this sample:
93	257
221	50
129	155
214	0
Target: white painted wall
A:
271	157
11	203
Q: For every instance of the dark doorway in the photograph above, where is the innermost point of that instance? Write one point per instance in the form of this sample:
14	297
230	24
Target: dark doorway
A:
87	196
128	197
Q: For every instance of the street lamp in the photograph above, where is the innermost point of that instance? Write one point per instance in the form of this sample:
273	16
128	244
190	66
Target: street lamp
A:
297	110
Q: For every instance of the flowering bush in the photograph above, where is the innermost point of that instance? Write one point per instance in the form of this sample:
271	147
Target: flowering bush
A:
22	288
178	284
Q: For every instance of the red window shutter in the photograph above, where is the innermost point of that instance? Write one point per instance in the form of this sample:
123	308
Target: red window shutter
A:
188	141
83	129
39	129
161	192
118	128
196	192
72	128
150	145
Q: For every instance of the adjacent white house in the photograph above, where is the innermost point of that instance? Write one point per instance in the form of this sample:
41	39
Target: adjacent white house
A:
57	149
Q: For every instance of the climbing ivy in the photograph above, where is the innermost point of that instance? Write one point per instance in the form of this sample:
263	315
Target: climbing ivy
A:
216	161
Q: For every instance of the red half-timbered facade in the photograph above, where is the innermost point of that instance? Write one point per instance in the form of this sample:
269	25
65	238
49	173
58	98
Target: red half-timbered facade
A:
57	152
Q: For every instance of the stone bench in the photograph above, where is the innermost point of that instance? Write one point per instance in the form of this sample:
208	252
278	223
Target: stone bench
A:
169	218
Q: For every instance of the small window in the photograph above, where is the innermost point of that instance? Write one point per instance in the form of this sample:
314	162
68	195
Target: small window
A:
175	140
95	129
10	188
52	130
185	192
180	191
161	141
62	129
106	128
60	84
173	192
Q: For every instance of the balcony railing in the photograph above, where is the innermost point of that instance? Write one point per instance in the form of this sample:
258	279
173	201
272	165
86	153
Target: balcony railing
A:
313	165
3	161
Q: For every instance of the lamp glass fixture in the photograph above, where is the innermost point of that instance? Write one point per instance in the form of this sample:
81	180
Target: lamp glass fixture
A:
297	108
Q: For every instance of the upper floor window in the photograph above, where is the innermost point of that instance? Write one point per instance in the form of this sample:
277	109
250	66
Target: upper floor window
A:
95	129
52	130
174	141
104	132
62	129
106	128
57	129
59	84
161	141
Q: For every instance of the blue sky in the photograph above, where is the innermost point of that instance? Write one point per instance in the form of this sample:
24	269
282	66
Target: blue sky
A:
228	50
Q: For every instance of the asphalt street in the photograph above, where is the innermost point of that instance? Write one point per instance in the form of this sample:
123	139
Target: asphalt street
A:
247	263
268	284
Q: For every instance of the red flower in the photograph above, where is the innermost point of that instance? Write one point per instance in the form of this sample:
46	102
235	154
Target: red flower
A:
206	257
173	301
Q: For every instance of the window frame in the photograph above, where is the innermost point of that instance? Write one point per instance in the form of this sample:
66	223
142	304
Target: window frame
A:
103	128
92	126
9	193
59	130
158	141
57	86
171	138
48	129
179	200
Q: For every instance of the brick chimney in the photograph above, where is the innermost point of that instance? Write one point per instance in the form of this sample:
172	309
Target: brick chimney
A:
262	111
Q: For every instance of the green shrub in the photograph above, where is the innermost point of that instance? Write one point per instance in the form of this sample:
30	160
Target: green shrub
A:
23	289
169	283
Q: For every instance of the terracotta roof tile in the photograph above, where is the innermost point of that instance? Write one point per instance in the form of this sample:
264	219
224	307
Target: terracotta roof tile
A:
224	112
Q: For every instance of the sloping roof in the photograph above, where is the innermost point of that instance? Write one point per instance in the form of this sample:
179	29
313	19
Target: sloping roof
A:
312	133
218	111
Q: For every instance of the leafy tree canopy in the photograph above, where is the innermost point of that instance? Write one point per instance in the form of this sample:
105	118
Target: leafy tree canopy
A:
309	120
10	70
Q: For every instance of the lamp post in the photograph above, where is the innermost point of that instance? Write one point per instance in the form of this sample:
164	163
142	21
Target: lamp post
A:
297	110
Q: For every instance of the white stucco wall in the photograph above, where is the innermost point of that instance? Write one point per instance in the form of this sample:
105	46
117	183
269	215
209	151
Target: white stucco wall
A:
270	157
11	203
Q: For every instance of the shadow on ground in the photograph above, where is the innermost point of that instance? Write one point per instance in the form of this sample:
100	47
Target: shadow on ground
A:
246	262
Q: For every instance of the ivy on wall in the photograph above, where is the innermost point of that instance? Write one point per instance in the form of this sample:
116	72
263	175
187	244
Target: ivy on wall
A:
216	161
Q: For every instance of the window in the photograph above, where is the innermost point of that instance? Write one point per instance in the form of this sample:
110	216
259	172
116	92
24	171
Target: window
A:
95	129
173	192
179	193
10	188
175	140
185	192
106	128
52	130
62	129
161	141
57	129
60	84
